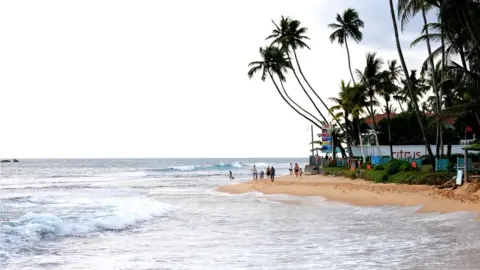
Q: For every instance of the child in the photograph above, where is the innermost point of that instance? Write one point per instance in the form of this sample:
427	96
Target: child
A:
301	172
262	173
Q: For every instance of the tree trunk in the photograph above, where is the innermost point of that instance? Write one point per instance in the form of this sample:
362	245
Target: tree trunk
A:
361	142
409	83
295	109
302	109
347	136
305	91
314	92
435	85
374	126
389	133
349	63
449	150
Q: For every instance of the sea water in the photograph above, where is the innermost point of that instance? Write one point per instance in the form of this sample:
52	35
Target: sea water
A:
166	214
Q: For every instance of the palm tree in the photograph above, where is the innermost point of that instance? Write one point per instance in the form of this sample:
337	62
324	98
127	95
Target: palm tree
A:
290	36
406	10
387	87
343	103
359	102
409	83
370	78
275	63
347	26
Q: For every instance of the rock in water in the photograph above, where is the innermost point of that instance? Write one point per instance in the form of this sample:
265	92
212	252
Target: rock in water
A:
15	160
5	161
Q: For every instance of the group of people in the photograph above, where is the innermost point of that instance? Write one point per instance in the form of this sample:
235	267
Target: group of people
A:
298	171
270	173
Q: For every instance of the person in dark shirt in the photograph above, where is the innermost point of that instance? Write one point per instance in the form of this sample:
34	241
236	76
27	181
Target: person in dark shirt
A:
231	176
272	173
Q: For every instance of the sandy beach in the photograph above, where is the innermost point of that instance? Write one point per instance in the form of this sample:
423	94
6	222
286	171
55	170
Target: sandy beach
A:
363	193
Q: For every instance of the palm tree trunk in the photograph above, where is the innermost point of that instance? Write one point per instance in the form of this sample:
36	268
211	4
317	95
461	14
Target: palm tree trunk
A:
314	92
295	109
409	82
347	136
361	142
291	100
435	85
305	91
349	63
374	126
389	132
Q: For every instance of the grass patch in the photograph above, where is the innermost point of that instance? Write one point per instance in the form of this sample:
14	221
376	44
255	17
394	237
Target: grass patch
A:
374	176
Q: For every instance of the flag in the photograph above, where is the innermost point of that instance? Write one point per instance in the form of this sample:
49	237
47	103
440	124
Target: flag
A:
468	129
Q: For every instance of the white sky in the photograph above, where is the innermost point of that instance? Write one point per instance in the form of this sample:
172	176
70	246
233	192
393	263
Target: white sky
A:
160	78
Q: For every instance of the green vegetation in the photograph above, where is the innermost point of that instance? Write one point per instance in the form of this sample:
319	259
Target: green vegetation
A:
437	101
396	171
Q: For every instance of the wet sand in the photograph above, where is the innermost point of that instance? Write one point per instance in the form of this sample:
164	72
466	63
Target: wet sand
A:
364	193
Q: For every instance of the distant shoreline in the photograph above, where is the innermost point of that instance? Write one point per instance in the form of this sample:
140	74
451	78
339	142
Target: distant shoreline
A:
363	193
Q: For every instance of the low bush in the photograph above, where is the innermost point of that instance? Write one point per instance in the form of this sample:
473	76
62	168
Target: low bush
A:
375	176
379	168
406	167
335	171
420	178
395	166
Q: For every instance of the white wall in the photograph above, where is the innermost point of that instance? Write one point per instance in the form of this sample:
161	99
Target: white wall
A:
404	151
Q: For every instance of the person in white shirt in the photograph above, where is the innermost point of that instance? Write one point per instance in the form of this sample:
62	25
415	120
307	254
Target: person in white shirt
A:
290	168
255	173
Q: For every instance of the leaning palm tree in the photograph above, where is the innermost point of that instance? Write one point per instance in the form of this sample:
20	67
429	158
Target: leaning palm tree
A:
274	63
290	36
409	83
347	26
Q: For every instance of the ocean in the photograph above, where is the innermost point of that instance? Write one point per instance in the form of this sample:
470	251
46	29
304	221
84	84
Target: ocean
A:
144	214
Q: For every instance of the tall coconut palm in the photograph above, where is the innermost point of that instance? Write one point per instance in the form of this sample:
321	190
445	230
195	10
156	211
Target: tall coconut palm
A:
290	36
406	10
348	25
343	102
371	78
409	83
274	63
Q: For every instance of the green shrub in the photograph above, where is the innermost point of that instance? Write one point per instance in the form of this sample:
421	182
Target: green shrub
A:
352	174
406	167
379	168
394	166
364	165
375	176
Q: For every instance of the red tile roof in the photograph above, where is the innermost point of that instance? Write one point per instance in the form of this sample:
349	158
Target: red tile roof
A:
379	117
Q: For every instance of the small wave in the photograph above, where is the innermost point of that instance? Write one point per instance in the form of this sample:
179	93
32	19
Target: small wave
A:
188	168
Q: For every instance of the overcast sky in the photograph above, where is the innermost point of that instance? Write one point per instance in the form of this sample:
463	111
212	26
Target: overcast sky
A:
98	78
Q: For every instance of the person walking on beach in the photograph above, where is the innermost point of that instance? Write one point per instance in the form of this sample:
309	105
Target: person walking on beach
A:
268	171
255	173
301	172
290	168
262	173
297	168
231	175
272	174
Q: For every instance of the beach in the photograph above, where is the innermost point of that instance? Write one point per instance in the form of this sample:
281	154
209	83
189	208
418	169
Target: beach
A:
142	214
364	193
